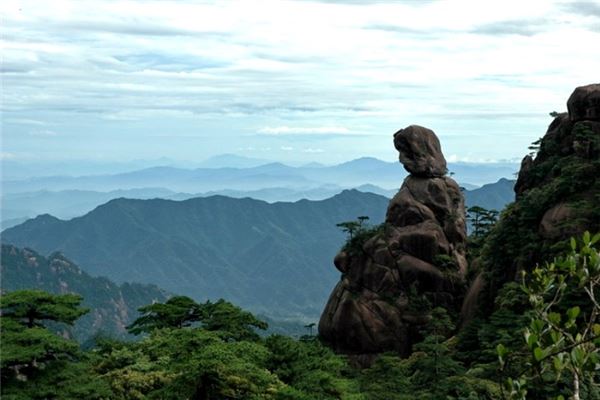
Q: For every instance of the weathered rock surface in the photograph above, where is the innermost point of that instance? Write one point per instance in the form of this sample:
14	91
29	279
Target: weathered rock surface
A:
584	103
420	151
418	255
554	220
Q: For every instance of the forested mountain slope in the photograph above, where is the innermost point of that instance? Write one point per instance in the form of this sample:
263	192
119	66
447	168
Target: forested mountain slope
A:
112	306
270	258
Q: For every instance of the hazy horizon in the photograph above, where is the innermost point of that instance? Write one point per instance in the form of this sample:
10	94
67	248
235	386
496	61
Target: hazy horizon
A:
289	81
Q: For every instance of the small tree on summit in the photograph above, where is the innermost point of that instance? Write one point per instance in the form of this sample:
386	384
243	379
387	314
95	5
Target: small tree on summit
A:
362	220
350	227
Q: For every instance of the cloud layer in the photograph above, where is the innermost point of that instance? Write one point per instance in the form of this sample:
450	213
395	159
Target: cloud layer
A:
145	79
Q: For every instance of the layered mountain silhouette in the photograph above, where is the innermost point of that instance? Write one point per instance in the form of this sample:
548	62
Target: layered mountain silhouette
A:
270	258
350	174
65	204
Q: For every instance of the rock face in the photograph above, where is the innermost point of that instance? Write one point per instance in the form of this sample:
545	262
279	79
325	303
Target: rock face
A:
584	103
416	256
569	152
420	152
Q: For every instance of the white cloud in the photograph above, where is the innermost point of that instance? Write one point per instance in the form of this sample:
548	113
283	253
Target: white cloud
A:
237	65
286	148
311	150
315	130
24	121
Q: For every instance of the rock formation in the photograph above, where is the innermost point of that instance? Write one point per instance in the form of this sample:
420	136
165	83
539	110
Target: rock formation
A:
416	256
569	154
557	197
584	103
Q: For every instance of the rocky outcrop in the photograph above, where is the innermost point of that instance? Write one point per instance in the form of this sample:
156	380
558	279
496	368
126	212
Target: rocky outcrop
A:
557	194
566	166
420	151
553	221
584	103
416	257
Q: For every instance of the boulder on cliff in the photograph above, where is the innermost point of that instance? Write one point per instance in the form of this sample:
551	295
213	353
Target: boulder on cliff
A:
584	103
415	260
420	151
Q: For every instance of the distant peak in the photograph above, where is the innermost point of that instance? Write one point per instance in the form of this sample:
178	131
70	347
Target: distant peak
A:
45	217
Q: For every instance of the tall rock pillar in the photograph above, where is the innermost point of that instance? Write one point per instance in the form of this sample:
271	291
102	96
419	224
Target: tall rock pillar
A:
415	260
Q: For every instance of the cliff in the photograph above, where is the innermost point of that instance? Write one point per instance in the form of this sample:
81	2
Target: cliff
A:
557	193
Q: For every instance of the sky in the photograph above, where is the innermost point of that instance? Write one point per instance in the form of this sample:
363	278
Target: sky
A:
297	81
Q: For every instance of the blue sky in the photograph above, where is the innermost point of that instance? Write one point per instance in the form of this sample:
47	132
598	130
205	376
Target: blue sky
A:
295	81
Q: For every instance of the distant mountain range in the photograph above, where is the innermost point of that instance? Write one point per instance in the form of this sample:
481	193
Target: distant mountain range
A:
350	174
112	307
274	259
493	196
66	204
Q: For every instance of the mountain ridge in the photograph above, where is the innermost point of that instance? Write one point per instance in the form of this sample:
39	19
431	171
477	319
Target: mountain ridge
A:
112	306
72	203
211	247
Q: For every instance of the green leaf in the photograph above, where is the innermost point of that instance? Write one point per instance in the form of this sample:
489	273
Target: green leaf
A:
556	336
573	244
537	325
538	353
532	340
554	318
577	356
573	312
586	238
557	363
501	350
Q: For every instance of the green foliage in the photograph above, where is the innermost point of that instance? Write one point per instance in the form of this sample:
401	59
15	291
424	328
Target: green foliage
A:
36	363
562	172
358	233
32	307
230	321
481	220
27	347
562	340
429	373
313	370
177	312
445	262
111	306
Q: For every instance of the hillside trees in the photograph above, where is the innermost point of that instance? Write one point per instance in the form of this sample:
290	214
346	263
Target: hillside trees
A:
180	311
32	307
482	220
37	363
